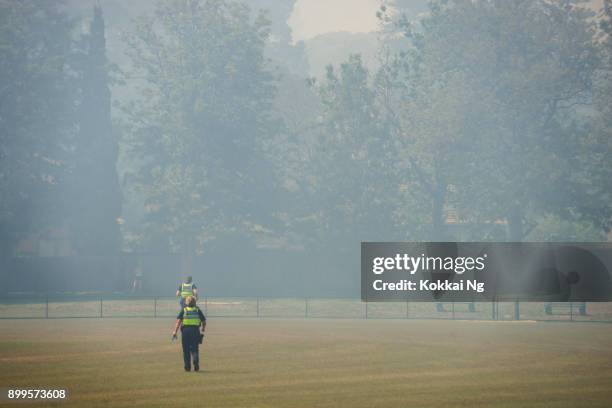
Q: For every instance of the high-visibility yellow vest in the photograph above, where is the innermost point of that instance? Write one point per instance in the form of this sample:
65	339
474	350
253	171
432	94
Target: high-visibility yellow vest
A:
186	290
191	317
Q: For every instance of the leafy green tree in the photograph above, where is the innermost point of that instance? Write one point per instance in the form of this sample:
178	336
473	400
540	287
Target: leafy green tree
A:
331	160
291	152
497	87
201	120
430	122
551	228
354	186
94	185
36	115
595	197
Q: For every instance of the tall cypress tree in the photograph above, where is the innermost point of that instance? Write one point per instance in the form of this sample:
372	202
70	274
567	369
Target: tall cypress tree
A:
96	192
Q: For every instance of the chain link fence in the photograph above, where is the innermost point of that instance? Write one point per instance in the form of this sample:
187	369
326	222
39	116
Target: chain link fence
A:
126	306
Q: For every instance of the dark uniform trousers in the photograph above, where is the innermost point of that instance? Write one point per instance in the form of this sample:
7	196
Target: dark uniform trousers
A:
190	337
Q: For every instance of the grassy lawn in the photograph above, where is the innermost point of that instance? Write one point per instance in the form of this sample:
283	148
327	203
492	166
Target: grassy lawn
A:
313	363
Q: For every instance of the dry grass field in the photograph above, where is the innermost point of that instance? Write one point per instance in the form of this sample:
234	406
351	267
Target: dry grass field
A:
312	363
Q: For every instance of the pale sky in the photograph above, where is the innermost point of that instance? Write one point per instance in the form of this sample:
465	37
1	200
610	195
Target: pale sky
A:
313	17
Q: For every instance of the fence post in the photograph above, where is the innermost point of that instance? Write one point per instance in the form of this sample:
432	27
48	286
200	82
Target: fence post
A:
155	307
47	306
496	309
517	310
101	306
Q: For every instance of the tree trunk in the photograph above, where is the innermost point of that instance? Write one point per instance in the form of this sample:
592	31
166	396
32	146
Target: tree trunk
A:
438	232
515	224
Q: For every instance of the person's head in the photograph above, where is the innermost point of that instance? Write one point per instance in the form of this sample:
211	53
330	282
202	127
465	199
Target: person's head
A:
190	301
188	279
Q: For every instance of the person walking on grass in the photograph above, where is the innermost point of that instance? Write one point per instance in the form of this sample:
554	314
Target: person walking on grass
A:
192	323
185	289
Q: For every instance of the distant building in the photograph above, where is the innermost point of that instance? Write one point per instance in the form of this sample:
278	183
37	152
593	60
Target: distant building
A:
48	242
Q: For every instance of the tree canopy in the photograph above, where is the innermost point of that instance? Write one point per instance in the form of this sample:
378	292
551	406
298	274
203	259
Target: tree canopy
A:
480	120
